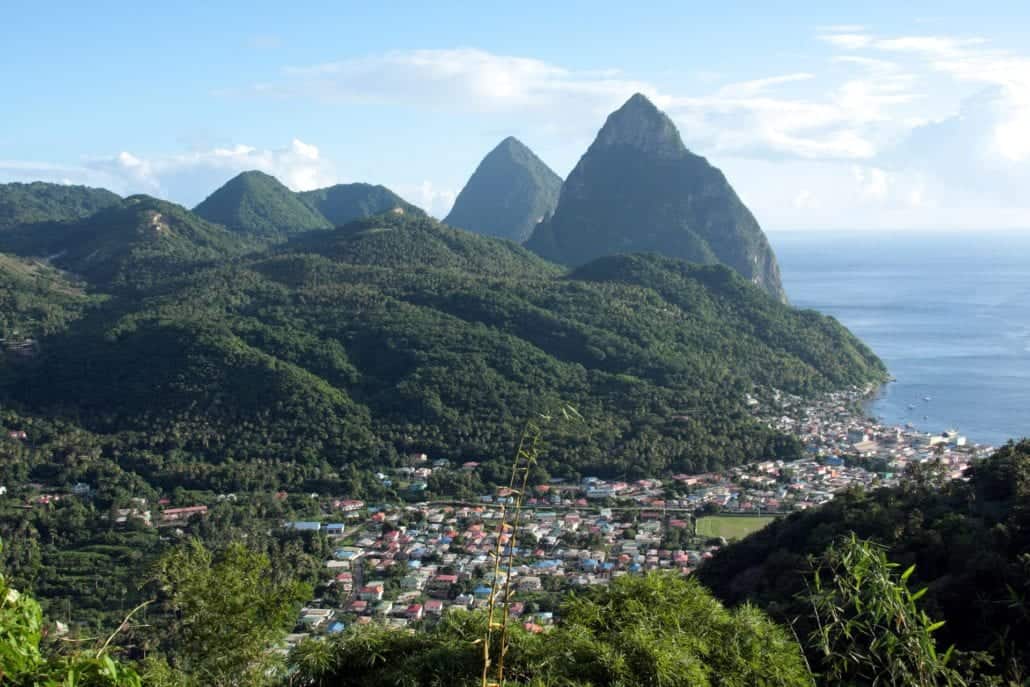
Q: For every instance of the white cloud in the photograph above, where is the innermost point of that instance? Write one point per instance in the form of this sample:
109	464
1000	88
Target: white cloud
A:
437	202
848	41
189	177
805	200
758	86
466	77
754	117
939	46
884	131
872	181
184	177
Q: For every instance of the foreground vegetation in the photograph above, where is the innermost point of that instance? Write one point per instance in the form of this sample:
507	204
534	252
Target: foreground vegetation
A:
654	630
922	585
968	540
217	618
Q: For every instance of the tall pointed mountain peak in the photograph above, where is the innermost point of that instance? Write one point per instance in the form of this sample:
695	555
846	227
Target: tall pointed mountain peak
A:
639	190
641	125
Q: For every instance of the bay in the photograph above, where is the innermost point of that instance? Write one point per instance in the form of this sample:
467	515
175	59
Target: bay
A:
948	313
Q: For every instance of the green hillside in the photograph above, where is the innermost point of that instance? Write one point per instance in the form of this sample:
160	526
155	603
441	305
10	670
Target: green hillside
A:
968	541
399	240
345	203
37	202
259	205
36	299
397	333
136	243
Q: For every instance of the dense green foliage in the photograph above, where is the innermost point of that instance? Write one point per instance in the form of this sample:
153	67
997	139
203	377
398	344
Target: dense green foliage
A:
870	630
417	242
638	189
36	299
345	203
647	631
26	659
86	557
259	205
222	612
216	616
133	245
142	243
508	194
396	333
968	540
39	202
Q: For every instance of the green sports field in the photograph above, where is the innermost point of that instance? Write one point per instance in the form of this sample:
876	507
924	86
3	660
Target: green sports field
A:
731	526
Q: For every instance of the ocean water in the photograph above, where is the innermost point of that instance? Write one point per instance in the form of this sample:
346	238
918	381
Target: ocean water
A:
948	313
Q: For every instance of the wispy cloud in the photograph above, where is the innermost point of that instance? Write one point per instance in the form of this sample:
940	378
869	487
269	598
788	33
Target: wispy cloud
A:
184	177
909	128
434	200
758	86
467	77
847	41
745	117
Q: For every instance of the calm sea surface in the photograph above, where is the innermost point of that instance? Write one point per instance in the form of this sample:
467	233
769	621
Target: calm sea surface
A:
948	313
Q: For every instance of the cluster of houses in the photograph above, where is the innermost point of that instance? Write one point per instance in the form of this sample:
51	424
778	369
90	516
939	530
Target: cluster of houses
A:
405	564
412	563
857	448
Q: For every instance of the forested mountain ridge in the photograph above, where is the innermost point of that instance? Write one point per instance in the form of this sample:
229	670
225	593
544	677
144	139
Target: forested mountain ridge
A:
509	193
638	189
345	203
135	243
35	300
36	202
398	333
259	205
718	294
397	240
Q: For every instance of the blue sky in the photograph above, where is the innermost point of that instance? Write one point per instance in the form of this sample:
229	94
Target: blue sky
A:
850	116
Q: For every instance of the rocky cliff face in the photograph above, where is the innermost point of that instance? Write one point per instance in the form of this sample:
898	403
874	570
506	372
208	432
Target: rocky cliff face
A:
639	190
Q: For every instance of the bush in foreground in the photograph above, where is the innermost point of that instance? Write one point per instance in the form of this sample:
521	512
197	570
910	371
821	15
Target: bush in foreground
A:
653	630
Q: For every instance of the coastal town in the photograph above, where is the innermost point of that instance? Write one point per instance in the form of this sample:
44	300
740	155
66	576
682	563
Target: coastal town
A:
406	563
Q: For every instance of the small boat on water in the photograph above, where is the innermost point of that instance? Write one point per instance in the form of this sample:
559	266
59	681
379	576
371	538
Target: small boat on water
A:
926	398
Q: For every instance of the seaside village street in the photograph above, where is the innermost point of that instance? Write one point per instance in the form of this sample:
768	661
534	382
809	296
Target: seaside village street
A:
408	563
